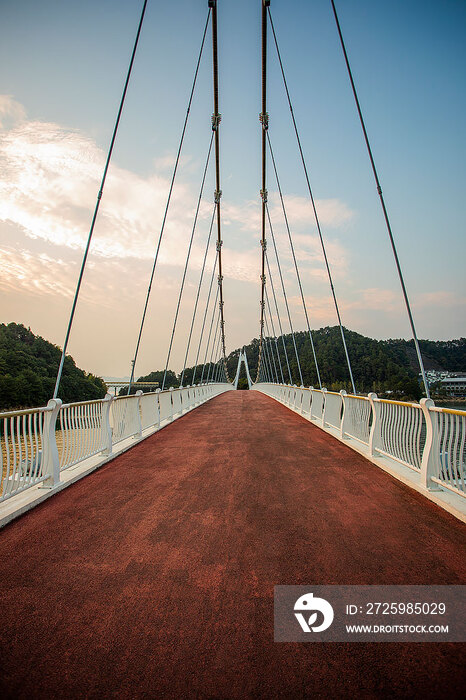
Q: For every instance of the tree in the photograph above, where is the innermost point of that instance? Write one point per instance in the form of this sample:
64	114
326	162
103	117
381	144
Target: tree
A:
28	367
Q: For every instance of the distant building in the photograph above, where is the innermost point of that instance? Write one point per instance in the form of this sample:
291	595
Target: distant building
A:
454	386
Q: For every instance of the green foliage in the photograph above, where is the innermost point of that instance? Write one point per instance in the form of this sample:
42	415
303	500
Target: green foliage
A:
170	380
28	368
384	366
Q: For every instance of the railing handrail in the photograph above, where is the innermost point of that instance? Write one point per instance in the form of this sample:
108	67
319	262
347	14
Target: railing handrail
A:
25	412
451	411
356	396
411	404
81	403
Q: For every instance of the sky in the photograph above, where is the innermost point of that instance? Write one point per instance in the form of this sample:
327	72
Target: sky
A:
62	70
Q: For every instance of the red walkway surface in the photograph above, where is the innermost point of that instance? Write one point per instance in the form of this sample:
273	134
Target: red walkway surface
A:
153	577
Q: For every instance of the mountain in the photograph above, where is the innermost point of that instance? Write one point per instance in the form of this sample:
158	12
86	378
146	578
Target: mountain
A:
28	368
377	365
388	367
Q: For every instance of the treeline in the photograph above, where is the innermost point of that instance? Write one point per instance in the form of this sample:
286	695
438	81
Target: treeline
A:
388	367
28	368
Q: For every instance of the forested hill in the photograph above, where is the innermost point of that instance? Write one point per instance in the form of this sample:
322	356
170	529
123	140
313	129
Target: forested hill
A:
378	365
28	368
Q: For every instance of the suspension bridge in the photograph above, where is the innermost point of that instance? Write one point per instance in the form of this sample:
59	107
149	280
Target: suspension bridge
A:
153	576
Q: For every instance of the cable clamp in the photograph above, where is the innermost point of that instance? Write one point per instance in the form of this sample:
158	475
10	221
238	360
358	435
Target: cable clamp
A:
264	195
264	120
263	278
219	245
99	196
220	279
216	119
264	244
266	3
379	190
217	196
220	304
211	4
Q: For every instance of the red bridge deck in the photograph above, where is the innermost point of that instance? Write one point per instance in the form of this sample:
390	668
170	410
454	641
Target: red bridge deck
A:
153	577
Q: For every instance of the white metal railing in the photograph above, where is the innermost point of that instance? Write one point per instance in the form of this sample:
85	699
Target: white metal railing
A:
22	458
429	440
38	444
447	463
317	403
82	431
150	410
398	431
333	409
125	417
357	418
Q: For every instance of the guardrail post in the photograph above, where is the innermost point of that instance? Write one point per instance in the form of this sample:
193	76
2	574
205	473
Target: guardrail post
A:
374	436
138	434
171	403
50	457
106	427
343	395
324	405
157	400
431	453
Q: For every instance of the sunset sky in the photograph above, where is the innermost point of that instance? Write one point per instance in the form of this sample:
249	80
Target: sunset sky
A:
62	69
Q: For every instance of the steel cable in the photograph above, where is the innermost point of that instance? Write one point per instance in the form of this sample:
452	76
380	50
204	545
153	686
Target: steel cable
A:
311	196
96	210
133	363
284	293
384	209
187	258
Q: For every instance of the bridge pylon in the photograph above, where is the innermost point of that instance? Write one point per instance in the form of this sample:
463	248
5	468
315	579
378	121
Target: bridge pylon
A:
242	359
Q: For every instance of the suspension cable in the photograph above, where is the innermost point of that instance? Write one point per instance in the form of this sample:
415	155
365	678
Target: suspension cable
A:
216	119
197	295
274	336
295	261
133	362
384	209
187	258
266	358
215	365
278	318
215	346
97	205
264	120
210	333
284	294
205	317
316	217
271	355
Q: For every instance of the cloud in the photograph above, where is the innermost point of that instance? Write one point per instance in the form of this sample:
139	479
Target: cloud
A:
50	176
10	111
331	212
439	299
49	179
